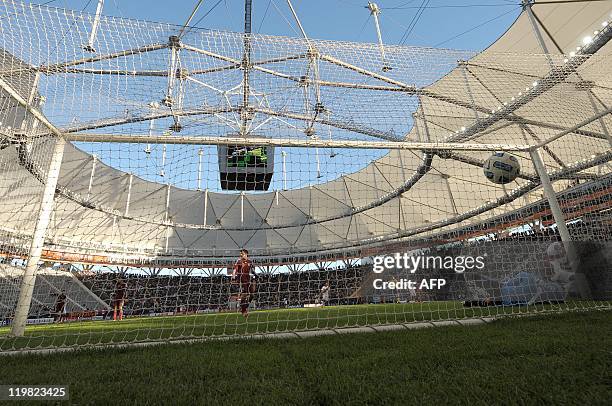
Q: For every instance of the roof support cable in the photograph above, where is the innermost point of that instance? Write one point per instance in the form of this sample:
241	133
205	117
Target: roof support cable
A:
375	11
89	47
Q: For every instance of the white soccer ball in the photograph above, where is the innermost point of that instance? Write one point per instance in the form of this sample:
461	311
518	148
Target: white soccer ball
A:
501	168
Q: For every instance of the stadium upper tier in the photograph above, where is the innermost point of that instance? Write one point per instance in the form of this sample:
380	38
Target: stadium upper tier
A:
363	156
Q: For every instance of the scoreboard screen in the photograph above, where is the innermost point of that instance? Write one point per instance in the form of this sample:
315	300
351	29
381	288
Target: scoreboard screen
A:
247	157
245	167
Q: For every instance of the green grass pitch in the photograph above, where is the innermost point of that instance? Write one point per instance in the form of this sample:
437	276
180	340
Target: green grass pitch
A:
546	359
140	329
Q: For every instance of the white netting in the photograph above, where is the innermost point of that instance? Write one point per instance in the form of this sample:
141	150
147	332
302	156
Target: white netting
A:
177	152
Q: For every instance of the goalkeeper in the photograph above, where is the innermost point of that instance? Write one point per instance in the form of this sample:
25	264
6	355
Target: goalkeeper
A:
243	269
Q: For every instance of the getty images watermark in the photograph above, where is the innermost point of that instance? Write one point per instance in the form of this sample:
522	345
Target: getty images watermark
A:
412	263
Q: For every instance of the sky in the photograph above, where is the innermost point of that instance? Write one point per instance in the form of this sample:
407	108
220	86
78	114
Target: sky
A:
458	24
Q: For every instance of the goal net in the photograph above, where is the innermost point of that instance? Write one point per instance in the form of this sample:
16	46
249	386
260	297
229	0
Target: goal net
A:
137	160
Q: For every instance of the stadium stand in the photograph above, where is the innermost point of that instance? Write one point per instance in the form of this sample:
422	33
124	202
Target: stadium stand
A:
49	284
162	294
183	294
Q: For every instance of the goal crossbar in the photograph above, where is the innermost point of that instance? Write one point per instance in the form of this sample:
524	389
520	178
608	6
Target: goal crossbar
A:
289	142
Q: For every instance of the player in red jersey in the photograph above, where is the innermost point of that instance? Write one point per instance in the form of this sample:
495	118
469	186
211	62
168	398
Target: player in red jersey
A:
119	299
60	307
242	275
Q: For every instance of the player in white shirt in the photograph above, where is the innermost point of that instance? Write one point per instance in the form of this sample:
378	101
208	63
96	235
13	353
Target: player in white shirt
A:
325	294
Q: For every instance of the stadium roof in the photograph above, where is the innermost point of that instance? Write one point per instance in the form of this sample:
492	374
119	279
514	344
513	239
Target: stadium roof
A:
531	87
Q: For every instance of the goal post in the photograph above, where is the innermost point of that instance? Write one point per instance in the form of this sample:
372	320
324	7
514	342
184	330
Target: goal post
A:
290	143
560	223
32	117
28	281
183	296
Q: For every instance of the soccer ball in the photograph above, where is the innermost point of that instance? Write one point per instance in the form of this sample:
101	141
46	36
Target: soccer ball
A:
501	168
